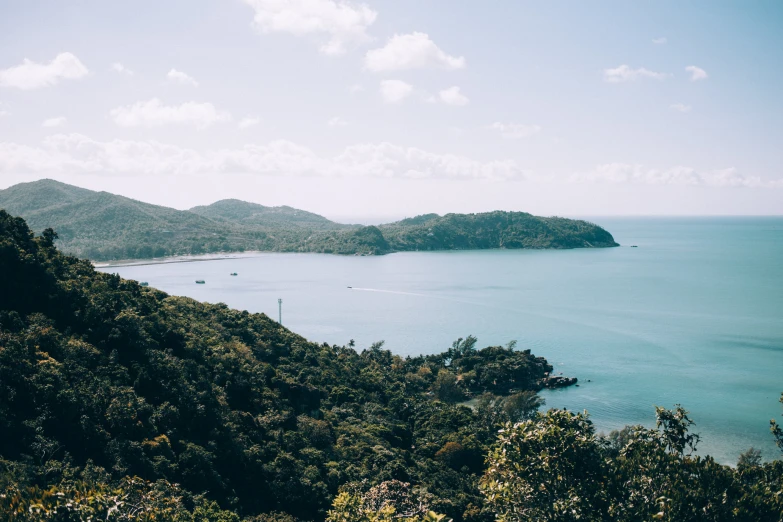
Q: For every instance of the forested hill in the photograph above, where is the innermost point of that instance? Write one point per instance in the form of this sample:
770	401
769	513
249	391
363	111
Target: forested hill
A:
252	214
102	379
102	226
493	230
119	402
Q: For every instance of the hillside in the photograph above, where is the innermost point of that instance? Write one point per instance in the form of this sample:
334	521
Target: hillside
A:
102	379
252	214
493	230
119	402
103	226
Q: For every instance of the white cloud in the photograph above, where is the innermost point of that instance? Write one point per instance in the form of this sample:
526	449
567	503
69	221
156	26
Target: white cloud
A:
337	122
181	77
410	51
660	41
679	175
153	113
355	88
119	68
248	122
76	153
344	23
394	91
515	130
680	107
624	73
32	75
453	96
54	122
697	73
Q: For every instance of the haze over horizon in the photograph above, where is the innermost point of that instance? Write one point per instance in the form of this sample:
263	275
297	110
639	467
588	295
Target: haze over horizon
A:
377	109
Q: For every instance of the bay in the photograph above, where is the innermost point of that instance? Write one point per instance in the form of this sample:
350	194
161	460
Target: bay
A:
694	315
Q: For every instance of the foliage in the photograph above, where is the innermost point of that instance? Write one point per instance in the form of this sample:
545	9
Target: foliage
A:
493	230
387	502
133	499
97	372
103	226
554	467
749	459
550	468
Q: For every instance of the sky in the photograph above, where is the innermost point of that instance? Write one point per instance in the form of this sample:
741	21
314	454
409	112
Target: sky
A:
392	108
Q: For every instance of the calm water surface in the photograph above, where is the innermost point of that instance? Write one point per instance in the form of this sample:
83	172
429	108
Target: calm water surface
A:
694	315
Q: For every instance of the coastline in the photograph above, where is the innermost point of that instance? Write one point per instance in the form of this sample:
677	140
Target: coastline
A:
178	259
255	253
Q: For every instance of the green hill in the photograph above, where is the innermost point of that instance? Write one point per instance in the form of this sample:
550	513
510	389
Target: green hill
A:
100	225
252	214
493	230
103	226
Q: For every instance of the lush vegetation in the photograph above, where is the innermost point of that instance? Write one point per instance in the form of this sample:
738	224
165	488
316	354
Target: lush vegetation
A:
102	226
119	402
102	379
493	230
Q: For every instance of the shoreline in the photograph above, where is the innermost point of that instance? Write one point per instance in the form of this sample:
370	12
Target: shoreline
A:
256	253
179	259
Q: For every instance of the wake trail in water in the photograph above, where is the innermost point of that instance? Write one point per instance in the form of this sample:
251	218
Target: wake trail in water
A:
398	292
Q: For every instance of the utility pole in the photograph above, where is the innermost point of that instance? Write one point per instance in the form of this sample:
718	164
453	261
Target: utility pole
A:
280	311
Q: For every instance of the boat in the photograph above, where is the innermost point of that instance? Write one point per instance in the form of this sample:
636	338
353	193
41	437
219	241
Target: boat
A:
634	246
350	287
233	273
199	281
144	283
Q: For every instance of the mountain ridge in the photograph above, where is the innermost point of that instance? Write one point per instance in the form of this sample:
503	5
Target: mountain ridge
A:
103	226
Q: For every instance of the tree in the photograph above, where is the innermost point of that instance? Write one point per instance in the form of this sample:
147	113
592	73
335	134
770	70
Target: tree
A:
522	405
389	501
675	424
748	459
776	430
464	346
548	468
48	236
446	388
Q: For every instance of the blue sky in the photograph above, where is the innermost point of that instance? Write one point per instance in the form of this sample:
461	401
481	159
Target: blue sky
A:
394	108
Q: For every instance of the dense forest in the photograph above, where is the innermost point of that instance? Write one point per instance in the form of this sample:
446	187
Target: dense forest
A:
119	402
102	226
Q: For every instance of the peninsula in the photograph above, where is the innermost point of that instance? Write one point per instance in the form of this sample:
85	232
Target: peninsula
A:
102	227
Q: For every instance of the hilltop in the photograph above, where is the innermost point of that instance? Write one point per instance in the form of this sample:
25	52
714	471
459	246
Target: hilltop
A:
253	214
103	226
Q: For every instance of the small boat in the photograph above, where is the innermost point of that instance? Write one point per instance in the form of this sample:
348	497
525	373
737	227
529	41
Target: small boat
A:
634	246
144	283
233	273
199	281
350	287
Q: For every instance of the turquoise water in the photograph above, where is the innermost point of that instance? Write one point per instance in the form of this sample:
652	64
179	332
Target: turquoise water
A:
694	315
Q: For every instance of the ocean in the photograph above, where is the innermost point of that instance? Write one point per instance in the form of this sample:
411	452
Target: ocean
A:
692	316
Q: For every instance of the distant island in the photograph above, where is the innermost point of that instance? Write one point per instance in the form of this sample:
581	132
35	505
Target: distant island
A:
102	227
